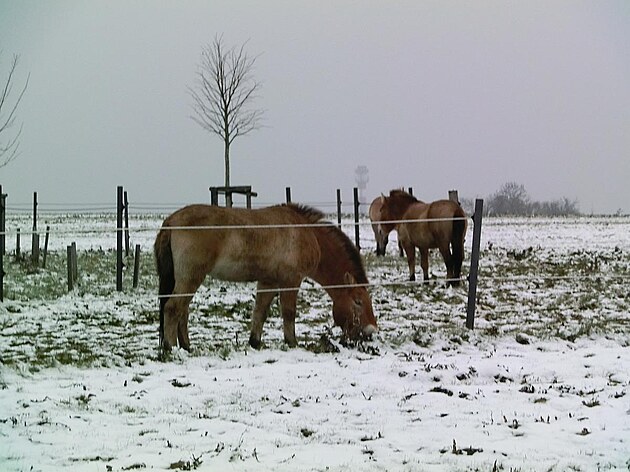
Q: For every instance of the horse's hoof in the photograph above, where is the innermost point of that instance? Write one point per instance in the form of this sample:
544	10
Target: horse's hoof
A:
254	342
412	278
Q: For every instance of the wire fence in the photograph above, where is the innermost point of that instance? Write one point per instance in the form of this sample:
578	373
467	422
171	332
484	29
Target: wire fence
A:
135	228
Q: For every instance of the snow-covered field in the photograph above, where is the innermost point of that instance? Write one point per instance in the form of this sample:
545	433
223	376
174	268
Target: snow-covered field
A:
541	384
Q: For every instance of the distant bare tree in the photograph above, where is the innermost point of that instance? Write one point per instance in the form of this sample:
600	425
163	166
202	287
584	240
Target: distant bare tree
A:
10	139
511	199
224	91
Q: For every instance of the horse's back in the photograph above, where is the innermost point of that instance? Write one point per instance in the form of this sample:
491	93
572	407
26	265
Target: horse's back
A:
243	245
436	222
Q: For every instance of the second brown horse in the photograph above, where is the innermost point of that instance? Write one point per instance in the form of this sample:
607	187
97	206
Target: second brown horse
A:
441	224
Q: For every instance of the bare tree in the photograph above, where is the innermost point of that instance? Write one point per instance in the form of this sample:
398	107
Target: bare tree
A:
9	139
511	199
224	91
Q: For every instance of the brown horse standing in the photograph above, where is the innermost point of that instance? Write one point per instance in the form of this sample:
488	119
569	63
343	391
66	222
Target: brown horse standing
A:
380	236
278	256
445	233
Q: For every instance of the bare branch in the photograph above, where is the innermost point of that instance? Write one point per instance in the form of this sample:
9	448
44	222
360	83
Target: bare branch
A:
9	145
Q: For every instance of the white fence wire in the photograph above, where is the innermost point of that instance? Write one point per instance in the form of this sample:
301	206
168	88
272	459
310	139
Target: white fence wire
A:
135	229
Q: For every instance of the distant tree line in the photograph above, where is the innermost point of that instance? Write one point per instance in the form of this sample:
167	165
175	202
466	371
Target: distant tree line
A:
512	200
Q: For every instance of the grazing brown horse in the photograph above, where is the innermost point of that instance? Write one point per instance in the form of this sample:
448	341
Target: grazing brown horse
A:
445	233
200	240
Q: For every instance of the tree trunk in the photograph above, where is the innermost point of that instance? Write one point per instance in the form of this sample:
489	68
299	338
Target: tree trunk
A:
228	195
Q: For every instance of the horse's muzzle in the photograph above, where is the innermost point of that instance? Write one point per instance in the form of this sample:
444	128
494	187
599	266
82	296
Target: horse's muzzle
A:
369	330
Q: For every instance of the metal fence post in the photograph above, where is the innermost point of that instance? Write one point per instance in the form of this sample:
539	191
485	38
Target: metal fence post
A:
46	247
474	265
34	235
2	241
136	266
356	217
119	239
339	208
69	267
126	207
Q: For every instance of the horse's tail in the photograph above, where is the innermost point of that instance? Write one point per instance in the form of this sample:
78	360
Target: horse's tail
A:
457	242
166	272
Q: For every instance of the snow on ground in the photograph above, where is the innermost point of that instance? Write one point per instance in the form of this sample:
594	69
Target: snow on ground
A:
544	406
541	384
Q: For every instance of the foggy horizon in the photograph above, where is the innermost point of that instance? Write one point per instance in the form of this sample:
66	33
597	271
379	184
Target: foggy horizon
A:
433	96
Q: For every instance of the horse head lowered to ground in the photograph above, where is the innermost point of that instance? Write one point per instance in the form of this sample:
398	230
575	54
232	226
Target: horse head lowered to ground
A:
441	224
278	247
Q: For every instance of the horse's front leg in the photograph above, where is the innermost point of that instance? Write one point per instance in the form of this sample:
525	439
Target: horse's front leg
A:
182	330
288	303
261	308
424	263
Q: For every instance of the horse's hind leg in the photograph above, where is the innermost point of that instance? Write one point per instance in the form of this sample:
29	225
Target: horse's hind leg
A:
288	303
424	263
176	313
261	308
453	273
410	250
448	262
176	322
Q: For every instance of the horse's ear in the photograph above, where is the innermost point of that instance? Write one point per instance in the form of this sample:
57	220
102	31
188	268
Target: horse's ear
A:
349	279
382	198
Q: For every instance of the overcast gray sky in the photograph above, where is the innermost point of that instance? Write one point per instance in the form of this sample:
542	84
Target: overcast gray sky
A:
434	95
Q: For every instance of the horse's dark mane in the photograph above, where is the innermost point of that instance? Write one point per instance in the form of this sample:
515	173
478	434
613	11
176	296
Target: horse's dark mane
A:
402	195
313	215
352	252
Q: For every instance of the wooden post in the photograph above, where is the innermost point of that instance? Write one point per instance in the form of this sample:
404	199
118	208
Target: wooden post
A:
136	266
287	191
35	249
474	265
17	244
453	196
75	263
69	265
356	217
248	201
214	196
119	239
339	208
46	247
410	190
126	207
2	240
